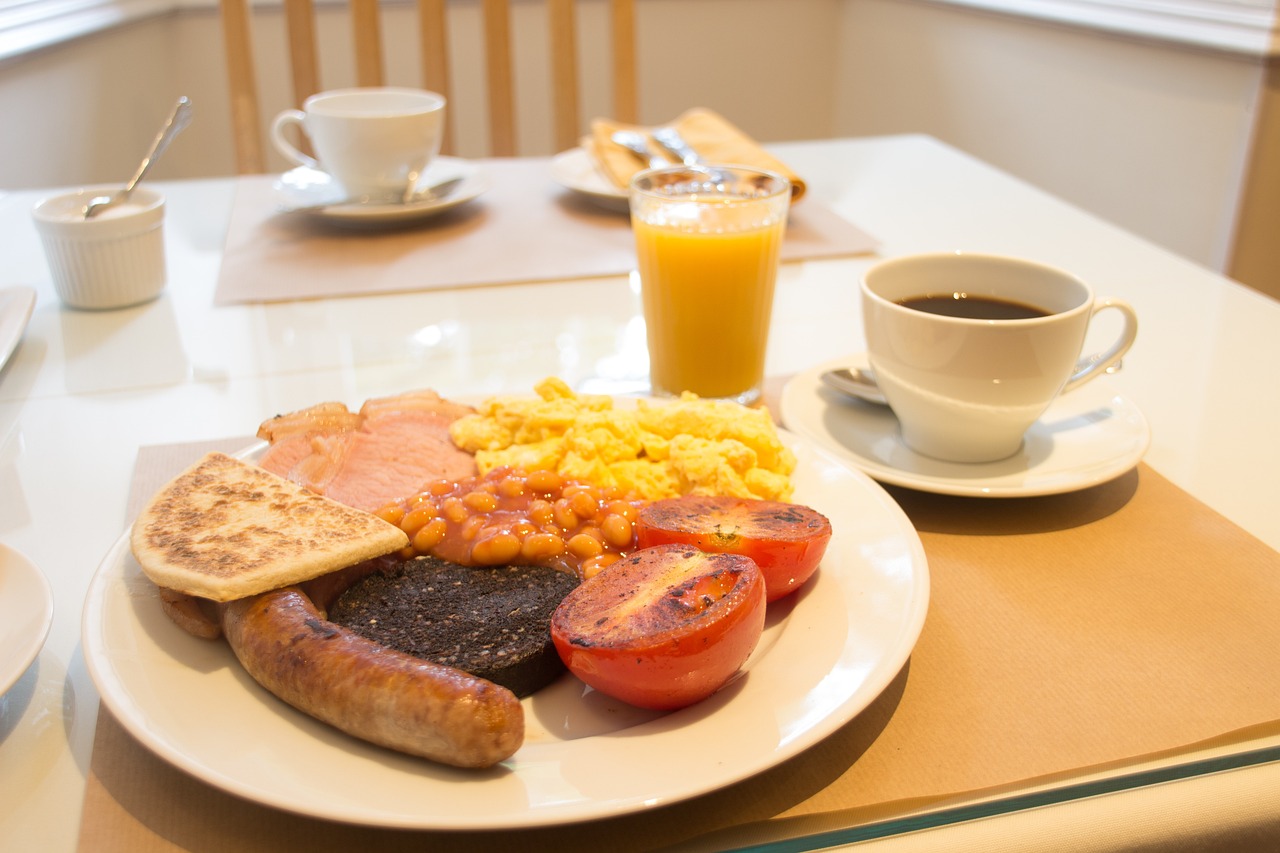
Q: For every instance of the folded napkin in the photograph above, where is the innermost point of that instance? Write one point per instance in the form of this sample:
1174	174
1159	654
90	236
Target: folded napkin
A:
707	132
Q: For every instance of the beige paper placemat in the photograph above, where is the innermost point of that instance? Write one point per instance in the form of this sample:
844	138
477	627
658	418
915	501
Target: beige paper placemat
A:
1064	633
525	228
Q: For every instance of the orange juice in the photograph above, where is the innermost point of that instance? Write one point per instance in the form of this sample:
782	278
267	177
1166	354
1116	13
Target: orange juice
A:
707	302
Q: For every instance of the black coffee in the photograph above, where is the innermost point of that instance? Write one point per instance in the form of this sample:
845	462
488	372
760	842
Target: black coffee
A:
972	307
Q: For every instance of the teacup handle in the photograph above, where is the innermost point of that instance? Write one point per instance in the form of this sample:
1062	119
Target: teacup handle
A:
1099	363
283	145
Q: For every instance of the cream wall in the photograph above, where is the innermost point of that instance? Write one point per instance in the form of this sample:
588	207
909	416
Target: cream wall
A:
1147	134
1153	136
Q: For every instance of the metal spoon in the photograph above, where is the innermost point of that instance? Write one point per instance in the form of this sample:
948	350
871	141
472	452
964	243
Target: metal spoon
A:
637	145
178	119
855	382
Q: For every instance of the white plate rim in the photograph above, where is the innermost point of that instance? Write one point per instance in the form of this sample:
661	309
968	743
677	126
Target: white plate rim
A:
1100	412
16	305
574	170
290	193
26	613
866	522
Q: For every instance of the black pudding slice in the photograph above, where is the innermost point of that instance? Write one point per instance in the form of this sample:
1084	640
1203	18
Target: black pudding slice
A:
493	622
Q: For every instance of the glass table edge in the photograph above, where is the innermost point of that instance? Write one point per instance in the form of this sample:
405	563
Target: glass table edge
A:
834	838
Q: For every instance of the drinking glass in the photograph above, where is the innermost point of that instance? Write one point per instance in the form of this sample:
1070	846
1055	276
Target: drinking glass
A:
707	242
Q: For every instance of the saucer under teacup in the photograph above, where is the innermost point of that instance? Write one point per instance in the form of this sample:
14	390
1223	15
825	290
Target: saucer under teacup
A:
1087	437
306	191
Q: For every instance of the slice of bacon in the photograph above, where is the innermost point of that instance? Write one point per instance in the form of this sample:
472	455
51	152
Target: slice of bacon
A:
388	450
321	418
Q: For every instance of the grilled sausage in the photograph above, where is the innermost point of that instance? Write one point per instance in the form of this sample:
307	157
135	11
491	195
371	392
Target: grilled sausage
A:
367	690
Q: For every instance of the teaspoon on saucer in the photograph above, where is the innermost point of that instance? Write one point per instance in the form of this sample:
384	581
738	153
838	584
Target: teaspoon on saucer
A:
855	382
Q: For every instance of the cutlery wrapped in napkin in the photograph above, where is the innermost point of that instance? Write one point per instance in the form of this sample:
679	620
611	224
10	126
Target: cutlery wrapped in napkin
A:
713	137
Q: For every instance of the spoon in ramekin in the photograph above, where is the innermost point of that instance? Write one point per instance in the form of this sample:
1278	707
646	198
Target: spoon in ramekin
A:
178	119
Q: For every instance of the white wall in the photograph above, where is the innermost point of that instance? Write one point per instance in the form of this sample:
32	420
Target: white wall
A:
1149	134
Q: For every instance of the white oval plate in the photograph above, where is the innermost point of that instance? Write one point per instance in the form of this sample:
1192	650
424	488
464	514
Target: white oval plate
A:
1087	437
16	305
26	612
826	654
574	170
305	187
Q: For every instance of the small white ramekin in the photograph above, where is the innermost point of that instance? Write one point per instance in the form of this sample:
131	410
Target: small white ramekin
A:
113	260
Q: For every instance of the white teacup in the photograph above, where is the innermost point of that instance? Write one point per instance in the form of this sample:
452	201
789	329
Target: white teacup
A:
966	389
376	142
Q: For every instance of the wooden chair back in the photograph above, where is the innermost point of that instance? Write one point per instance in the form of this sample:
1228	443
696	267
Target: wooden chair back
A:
302	50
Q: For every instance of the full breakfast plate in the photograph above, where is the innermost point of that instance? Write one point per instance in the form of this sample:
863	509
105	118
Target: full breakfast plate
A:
1085	438
26	612
827	652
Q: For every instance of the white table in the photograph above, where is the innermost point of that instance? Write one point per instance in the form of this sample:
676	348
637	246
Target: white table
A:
85	390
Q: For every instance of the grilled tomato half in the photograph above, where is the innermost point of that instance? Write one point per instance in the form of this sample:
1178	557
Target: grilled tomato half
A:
664	627
785	540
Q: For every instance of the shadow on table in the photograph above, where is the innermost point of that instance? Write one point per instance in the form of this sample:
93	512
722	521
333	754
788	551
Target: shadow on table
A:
932	513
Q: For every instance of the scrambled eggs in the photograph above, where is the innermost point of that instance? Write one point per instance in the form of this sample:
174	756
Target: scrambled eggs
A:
686	446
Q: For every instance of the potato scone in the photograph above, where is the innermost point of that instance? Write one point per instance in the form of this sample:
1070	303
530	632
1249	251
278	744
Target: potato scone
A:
225	529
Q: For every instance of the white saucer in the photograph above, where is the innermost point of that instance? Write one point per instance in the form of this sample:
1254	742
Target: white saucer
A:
305	188
575	170
1087	437
26	612
16	304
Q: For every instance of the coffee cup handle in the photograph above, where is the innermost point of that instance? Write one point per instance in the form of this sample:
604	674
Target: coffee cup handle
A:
1093	366
283	145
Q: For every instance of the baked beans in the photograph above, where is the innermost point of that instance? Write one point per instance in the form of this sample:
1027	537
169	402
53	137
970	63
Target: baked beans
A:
512	516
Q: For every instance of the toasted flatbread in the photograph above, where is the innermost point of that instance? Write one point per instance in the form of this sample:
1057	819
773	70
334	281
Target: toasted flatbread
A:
226	529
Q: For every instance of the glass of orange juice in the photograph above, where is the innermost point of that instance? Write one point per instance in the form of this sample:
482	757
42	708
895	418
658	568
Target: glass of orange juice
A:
707	242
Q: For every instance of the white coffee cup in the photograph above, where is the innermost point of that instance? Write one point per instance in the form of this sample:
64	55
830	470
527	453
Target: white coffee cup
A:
967	389
376	142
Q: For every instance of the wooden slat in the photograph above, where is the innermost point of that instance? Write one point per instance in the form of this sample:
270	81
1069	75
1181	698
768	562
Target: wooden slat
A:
367	33
245	127
299	18
434	43
623	26
564	72
433	22
497	41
